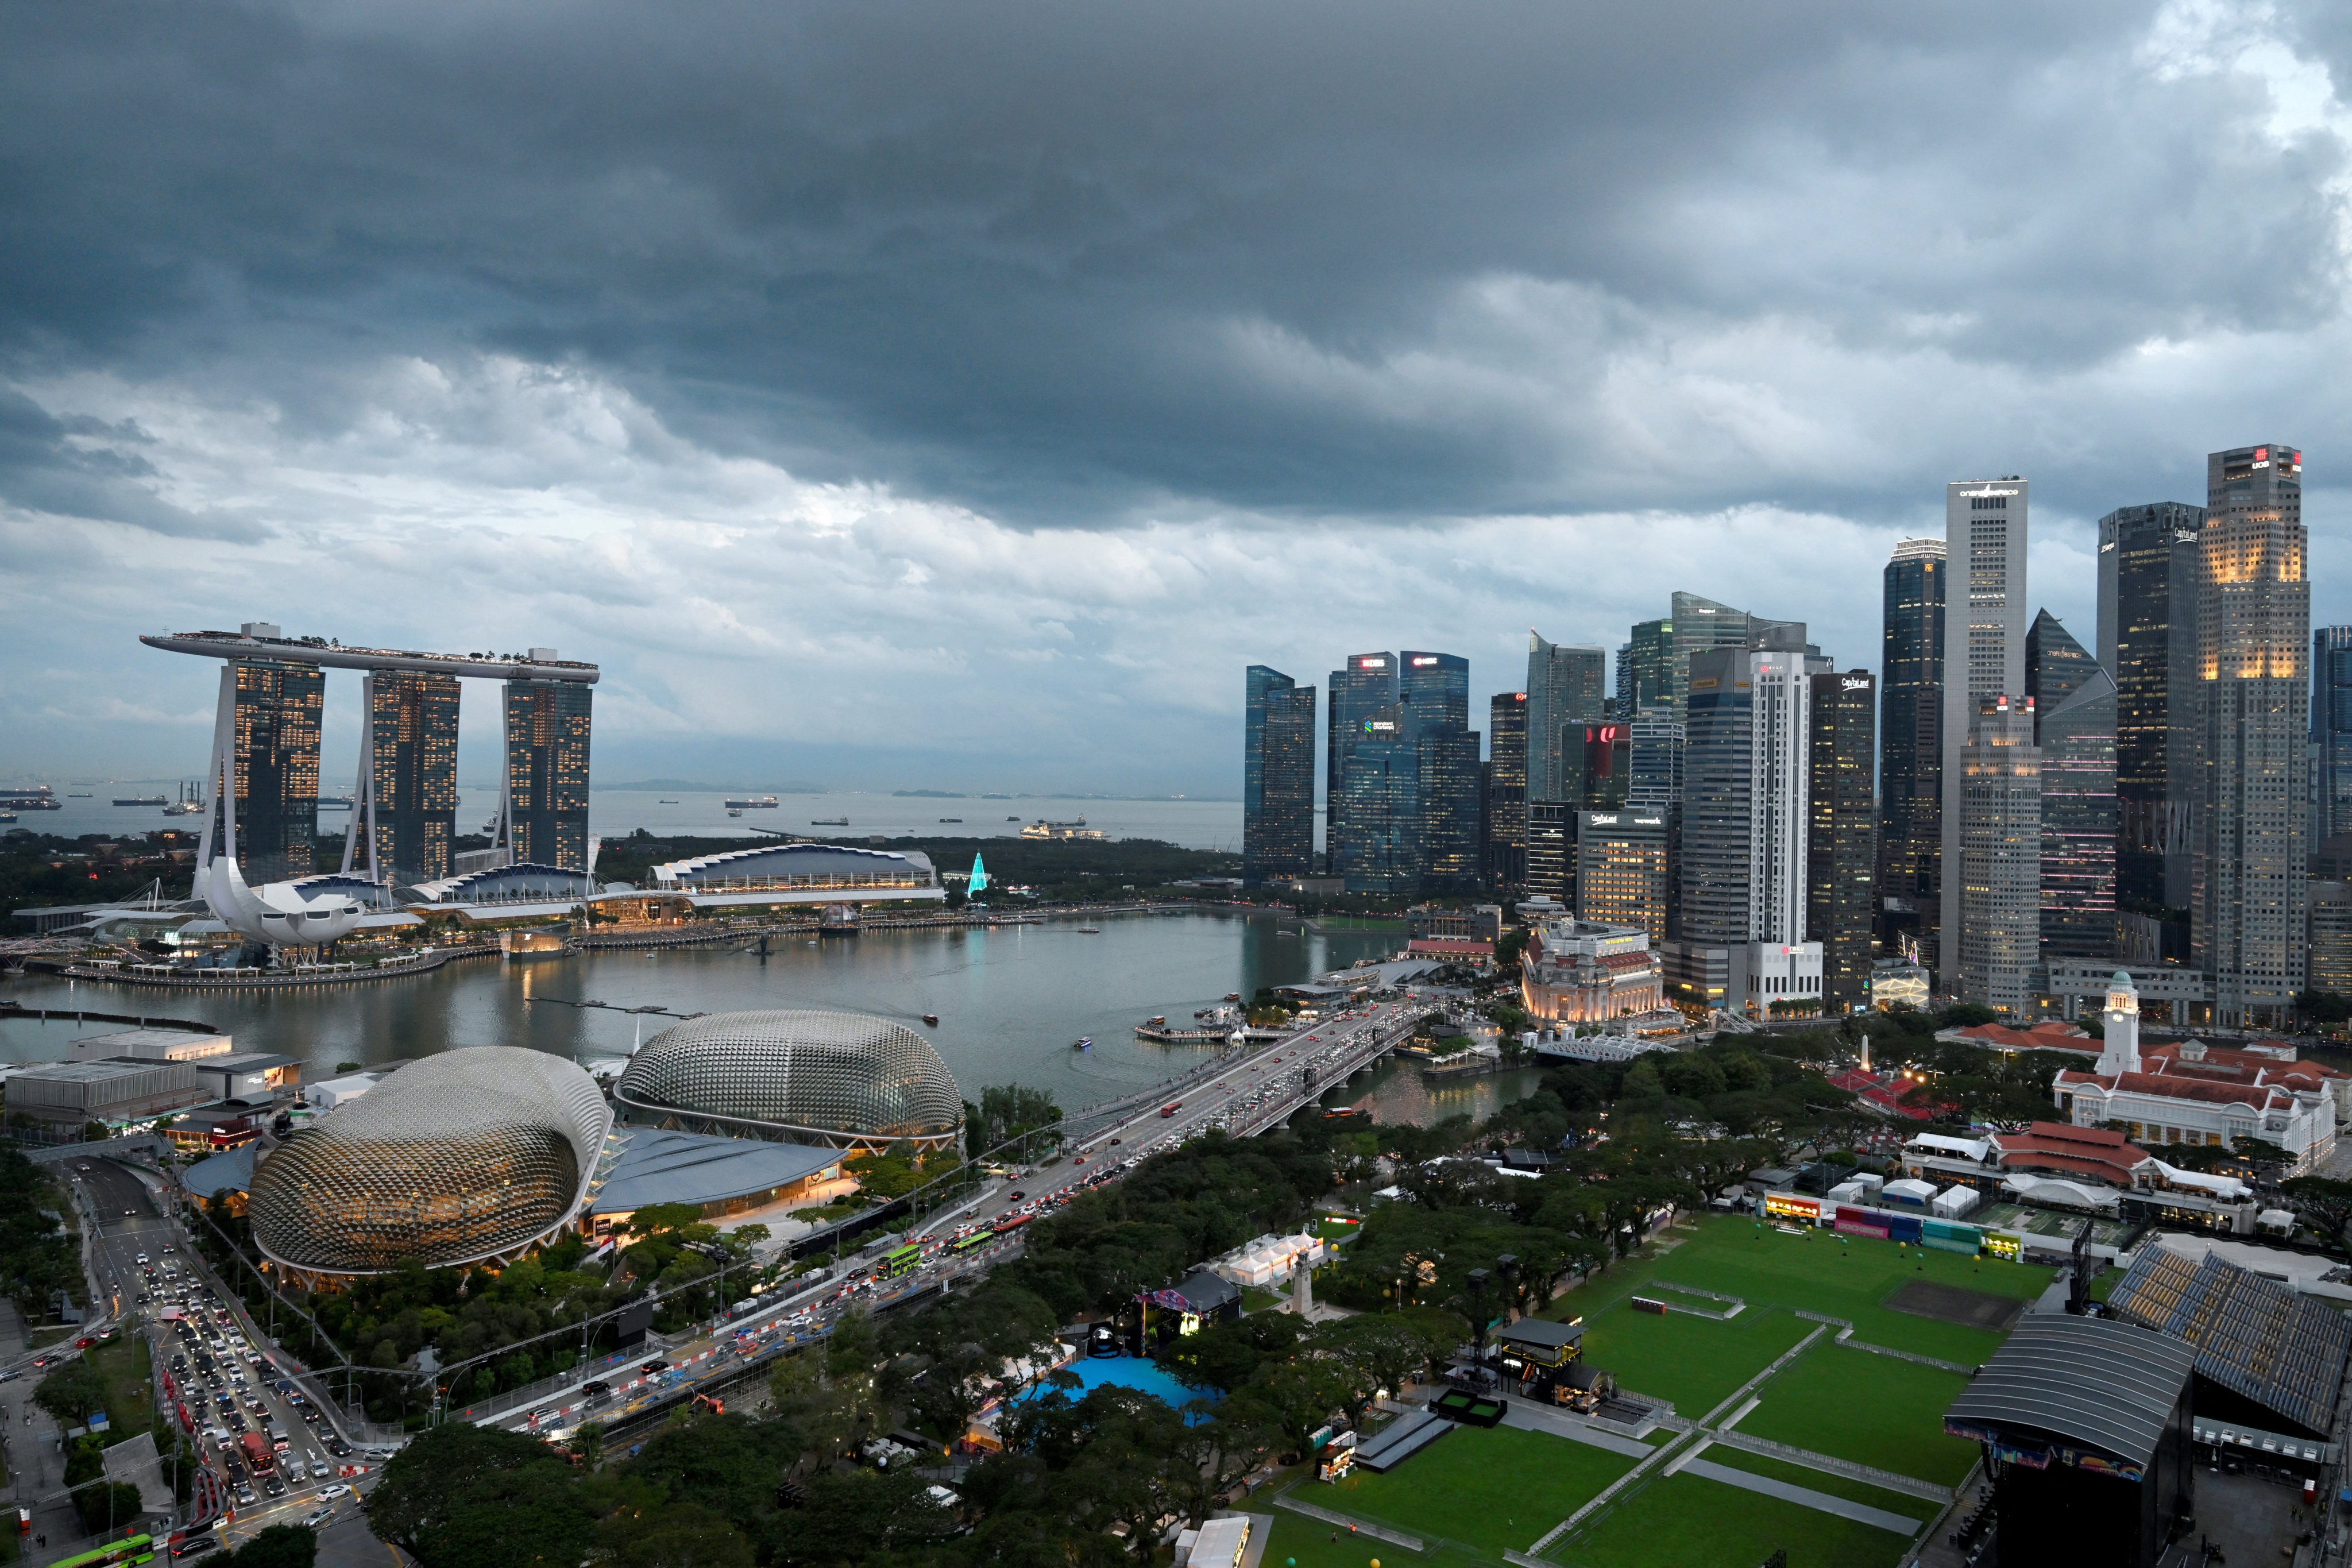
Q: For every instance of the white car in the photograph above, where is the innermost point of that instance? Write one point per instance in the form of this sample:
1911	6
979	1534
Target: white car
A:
338	1490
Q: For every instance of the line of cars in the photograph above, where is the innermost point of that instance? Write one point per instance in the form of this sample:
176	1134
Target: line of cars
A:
225	1384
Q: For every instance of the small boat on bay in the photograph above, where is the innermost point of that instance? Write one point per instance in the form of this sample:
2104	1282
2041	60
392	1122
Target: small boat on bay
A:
1084	1043
1090	931
931	1019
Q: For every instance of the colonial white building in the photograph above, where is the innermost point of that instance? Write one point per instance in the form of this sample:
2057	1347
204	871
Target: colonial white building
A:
2196	1094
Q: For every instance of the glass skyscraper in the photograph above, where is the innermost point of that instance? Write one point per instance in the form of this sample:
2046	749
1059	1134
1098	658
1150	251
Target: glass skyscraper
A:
2149	558
1695	627
1996	881
1361	688
1645	669
2074	721
547	733
2248	882
278	708
1840	855
1507	789
1380	848
2331	729
1278	776
410	810
1911	742
1718	770
1987	524
1564	688
1434	688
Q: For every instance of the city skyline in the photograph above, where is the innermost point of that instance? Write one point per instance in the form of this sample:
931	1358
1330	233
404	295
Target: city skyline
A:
1525	386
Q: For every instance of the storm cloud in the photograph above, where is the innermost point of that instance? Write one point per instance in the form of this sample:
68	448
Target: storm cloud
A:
916	388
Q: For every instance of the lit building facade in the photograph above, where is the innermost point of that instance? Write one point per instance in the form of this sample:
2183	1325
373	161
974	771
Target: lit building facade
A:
1718	772
2328	919
1911	742
1997	877
1278	776
1364	684
407	809
547	735
1625	870
1985	536
2253	632
1507	789
2149	562
1573	972
1839	846
278	709
2074	725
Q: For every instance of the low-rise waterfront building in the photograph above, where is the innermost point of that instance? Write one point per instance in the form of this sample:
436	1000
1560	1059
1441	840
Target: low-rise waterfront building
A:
118	1093
1576	972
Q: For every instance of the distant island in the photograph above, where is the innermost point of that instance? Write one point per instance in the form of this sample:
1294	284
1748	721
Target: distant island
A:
797	786
928	794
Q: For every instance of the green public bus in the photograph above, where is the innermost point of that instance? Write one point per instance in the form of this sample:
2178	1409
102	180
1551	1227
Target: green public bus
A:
976	1238
129	1549
906	1260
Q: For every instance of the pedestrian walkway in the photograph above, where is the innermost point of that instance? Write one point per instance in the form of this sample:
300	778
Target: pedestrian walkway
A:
1862	1513
1559	1424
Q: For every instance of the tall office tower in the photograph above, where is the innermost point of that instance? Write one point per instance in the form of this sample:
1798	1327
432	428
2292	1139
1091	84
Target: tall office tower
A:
2149	562
1361	688
1840	858
1380	819
1278	776
1998	880
2075	731
1654	760
1435	690
277	711
1911	744
547	732
1696	625
2056	666
1596	766
1551	849
1985	527
1621	869
1780	726
408	804
2247	893
2331	731
1507	791
1645	673
1719	763
1563	689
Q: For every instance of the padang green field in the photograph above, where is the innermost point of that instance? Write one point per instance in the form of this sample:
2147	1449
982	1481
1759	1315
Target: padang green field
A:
1477	1494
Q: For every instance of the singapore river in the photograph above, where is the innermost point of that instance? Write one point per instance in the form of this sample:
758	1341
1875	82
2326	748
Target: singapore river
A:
1011	1002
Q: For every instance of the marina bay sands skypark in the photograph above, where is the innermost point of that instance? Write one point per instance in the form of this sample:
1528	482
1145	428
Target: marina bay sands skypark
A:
261	796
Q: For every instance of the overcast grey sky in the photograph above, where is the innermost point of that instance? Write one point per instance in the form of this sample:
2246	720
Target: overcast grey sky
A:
913	393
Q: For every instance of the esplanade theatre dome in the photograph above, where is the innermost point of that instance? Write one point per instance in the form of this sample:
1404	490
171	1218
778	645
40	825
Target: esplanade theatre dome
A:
471	1156
844	1079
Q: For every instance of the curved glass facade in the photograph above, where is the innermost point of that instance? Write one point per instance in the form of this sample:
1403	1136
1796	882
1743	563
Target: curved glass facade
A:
459	1157
840	1075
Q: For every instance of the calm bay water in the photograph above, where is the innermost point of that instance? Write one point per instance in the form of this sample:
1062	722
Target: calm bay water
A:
1193	824
1010	1002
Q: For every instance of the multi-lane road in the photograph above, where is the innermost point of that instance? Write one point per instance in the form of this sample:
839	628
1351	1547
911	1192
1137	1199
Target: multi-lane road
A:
1259	1088
228	1379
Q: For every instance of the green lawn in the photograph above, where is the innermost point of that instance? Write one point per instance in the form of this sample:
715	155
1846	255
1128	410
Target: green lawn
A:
1689	1522
1490	1489
130	1393
1732	1458
1818	1271
1873	1409
1694	1361
1309	1543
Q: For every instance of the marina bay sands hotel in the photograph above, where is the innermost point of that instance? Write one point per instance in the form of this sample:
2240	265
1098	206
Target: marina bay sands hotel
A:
404	825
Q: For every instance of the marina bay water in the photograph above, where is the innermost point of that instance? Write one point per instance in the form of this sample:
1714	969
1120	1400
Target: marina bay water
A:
1010	1000
1193	823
